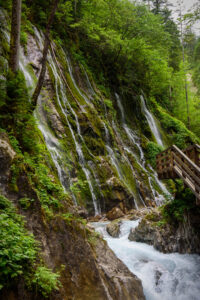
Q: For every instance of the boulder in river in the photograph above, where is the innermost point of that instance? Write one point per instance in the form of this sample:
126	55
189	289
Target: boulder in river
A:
113	228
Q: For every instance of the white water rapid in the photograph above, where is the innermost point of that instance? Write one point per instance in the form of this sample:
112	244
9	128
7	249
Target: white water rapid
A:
151	121
164	276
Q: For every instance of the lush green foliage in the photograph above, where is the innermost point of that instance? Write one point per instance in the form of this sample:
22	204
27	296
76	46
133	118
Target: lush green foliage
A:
177	133
184	202
126	37
45	281
152	149
18	252
18	248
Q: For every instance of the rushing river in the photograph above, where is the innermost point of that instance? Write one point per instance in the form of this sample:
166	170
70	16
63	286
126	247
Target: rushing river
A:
164	276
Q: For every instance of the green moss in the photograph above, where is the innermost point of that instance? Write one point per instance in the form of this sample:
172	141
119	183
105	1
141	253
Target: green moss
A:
93	238
176	131
152	149
25	202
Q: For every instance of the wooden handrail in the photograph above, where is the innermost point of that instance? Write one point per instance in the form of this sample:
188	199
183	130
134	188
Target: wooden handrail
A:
175	163
189	161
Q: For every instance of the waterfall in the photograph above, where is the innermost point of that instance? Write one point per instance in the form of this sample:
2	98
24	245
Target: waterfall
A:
161	186
89	85
113	158
131	136
65	109
52	143
59	87
53	146
159	199
120	173
164	276
74	81
114	161
121	165
29	77
134	140
151	122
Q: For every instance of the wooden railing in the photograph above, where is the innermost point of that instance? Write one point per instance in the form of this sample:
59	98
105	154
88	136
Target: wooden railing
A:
174	163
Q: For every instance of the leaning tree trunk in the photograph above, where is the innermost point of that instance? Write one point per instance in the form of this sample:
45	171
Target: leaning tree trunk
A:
45	52
15	35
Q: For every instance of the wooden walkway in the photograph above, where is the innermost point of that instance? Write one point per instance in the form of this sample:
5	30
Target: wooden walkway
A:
184	164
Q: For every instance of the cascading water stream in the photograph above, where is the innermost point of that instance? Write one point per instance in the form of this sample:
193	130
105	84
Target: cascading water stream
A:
89	85
116	165
164	276
51	142
132	137
53	146
74	81
159	199
151	122
59	87
22	64
55	151
160	184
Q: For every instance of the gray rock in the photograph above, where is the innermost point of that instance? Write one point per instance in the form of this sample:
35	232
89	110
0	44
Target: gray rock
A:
113	228
115	213
7	154
118	281
182	237
143	233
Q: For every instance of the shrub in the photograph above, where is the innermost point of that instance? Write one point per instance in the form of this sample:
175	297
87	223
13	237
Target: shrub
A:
46	281
18	248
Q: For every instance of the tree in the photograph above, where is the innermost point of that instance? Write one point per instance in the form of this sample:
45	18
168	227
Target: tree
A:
181	23
15	35
45	52
156	5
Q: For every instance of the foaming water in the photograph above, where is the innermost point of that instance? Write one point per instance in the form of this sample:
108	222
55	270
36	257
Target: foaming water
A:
164	276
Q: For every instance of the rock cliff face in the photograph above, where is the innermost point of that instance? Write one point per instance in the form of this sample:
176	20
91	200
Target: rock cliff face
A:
89	269
182	237
89	136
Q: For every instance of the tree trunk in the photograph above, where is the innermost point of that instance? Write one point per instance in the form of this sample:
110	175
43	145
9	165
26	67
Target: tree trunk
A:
183	55
45	52
15	35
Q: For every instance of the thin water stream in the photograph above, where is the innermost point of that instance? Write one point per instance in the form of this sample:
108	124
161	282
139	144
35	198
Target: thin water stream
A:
151	121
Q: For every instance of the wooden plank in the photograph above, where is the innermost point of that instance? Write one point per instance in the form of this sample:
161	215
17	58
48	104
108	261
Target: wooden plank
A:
163	163
190	162
187	169
186	182
173	163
